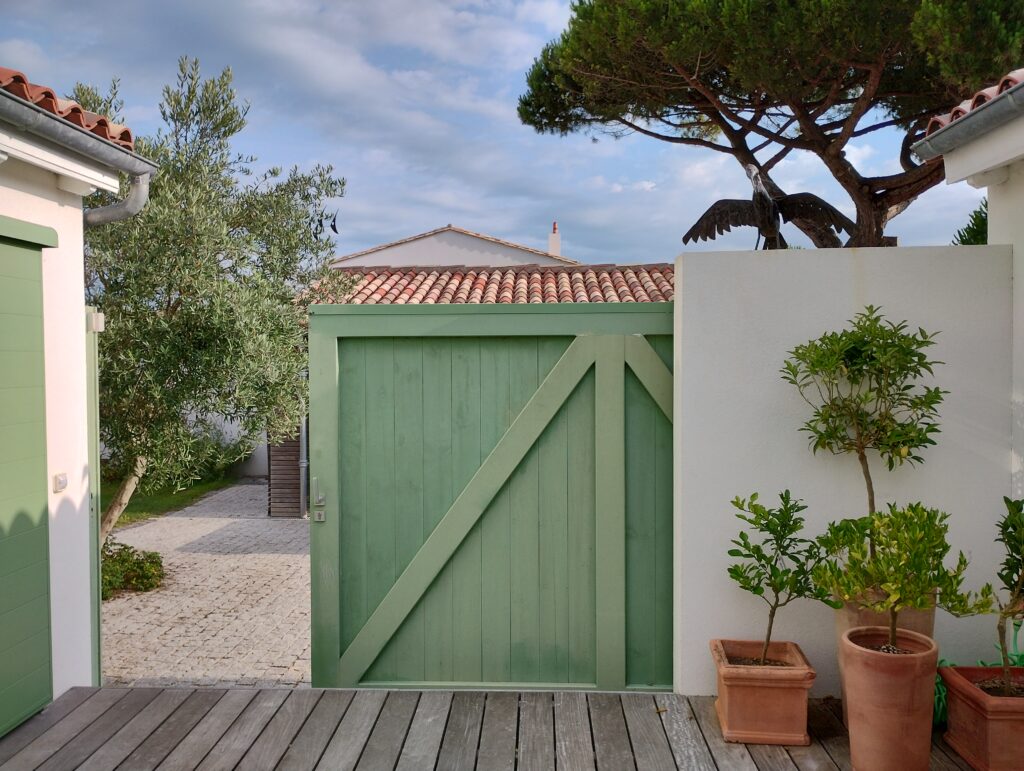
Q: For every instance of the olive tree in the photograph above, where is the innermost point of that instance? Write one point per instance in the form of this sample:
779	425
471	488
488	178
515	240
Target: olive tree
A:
199	293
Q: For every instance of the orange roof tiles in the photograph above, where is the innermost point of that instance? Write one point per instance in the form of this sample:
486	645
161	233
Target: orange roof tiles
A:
1008	81
15	82
521	284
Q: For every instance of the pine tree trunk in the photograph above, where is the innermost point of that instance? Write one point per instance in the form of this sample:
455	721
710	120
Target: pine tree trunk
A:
121	498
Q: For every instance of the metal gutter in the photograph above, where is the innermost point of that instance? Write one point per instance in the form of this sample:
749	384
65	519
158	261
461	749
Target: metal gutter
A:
979	121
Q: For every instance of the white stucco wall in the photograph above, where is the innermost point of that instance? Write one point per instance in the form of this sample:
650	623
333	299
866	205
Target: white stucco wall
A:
736	424
31	194
450	248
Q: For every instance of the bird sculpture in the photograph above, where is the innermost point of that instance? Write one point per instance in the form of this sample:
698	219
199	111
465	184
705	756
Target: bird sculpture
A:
764	213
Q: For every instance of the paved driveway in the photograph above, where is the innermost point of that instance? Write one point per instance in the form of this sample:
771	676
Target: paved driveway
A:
234	608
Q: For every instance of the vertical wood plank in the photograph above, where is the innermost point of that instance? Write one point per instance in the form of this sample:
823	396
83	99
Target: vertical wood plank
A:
827	729
611	739
305	750
610	513
574	744
536	731
351	576
438	494
663	538
462	734
553	534
405	651
726	754
646	732
582	540
498	735
495	525
380	527
641	545
423	742
523	489
466	562
347	744
268	749
385	742
684	736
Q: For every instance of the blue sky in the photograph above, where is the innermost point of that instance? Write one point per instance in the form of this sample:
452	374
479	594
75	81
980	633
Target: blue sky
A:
414	102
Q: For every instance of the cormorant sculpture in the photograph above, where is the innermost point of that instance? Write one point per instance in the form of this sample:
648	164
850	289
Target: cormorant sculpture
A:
764	213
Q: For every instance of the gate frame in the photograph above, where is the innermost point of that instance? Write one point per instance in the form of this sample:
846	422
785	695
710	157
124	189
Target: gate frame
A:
329	323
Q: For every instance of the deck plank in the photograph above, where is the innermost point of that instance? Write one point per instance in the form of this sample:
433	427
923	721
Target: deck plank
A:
827	729
51	741
347	744
305	750
771	757
462	734
387	737
684	736
244	731
536	731
275	738
423	742
72	754
194	746
136	730
164	739
611	739
813	757
646	732
729	755
939	745
498	735
574	744
53	713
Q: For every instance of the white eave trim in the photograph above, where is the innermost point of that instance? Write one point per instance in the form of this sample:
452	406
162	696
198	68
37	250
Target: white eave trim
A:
74	175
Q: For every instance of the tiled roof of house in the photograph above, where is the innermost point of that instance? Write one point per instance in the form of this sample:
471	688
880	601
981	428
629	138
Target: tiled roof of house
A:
454	229
1008	81
15	82
519	284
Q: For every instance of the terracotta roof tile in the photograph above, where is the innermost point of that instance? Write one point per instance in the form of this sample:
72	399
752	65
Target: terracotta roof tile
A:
1007	82
15	82
521	284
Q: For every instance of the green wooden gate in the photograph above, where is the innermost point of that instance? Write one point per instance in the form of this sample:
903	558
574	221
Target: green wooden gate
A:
492	495
25	680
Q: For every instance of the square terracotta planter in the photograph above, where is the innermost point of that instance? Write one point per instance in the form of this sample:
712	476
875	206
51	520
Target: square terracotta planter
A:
762	705
987	731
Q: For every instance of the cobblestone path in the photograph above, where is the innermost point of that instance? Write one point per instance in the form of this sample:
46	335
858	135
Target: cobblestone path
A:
234	608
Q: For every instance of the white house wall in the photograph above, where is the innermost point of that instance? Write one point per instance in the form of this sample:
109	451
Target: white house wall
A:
32	194
450	248
736	424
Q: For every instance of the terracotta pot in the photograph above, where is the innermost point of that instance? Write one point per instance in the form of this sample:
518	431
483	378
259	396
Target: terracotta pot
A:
987	731
889	698
762	705
852	615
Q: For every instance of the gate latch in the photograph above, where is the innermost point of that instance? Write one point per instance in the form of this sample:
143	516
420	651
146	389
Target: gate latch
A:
319	516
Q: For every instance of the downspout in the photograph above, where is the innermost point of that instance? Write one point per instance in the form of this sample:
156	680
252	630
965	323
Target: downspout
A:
129	206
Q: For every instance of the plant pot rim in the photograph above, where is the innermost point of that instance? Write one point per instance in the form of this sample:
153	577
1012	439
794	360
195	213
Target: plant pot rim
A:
962	680
929	644
799	669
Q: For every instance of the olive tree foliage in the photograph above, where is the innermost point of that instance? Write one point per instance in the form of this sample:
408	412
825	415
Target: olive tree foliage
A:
761	80
199	293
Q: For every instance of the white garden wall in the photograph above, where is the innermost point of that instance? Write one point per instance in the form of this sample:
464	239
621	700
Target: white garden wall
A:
736	424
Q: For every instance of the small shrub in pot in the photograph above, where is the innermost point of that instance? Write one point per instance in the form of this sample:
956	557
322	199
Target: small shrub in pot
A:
762	684
889	672
986	704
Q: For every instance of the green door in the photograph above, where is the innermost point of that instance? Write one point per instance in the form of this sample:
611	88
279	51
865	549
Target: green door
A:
504	512
24	549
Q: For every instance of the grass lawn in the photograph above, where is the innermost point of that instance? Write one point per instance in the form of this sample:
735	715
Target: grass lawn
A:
154	504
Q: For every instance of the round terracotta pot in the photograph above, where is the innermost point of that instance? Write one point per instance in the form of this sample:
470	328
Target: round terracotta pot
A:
852	615
889	698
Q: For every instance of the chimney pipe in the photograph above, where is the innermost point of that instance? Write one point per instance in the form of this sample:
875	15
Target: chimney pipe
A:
555	241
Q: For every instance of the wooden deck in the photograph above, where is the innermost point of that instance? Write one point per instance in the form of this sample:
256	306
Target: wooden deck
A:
146	728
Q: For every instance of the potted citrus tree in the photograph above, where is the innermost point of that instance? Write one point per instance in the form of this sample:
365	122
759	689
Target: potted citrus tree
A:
763	684
863	385
888	672
986	704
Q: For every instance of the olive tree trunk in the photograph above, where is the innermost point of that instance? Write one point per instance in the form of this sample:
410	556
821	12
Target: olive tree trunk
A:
121	498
